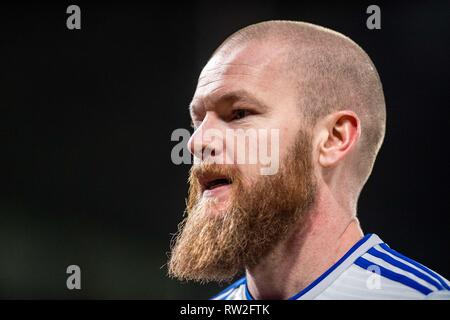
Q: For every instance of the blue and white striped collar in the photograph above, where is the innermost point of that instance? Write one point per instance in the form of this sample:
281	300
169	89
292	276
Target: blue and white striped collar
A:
329	276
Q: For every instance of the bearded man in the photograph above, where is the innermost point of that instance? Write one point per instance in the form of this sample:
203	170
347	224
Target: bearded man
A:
293	234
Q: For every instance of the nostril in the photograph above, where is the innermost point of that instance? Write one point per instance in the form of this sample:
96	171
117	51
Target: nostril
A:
208	152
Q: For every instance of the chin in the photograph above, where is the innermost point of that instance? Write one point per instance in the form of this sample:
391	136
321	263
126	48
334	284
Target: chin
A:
216	207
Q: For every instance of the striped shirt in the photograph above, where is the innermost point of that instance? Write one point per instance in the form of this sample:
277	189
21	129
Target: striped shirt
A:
369	270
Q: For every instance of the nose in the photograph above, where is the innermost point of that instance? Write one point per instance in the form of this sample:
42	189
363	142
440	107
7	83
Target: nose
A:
206	143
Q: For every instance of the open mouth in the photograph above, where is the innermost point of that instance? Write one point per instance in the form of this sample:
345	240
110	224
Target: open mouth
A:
213	182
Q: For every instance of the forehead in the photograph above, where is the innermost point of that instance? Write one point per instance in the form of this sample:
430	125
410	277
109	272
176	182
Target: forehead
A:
254	68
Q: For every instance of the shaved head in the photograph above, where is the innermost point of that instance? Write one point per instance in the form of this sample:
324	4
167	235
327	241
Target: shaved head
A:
321	94
330	73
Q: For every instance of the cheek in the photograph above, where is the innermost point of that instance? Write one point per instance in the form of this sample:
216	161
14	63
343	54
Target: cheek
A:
289	131
249	173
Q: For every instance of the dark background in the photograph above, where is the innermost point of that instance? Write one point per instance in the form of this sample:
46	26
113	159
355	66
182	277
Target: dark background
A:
86	117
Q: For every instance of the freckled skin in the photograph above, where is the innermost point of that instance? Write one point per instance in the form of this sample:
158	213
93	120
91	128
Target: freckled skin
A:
257	69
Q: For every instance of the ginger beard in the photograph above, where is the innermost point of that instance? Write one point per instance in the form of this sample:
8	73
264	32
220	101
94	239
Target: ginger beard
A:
217	241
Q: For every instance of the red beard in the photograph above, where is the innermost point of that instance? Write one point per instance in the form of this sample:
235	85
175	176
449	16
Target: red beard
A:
216	247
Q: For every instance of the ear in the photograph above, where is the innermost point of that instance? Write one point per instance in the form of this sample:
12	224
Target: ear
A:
341	130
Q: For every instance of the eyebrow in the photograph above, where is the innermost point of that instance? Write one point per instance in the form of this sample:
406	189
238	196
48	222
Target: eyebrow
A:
232	97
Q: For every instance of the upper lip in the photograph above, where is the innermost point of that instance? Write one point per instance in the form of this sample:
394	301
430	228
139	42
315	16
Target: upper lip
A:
209	181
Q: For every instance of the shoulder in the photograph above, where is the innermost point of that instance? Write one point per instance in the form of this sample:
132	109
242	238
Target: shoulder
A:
399	276
234	291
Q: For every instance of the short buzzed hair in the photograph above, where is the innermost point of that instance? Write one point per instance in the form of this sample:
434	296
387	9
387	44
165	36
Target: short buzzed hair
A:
331	73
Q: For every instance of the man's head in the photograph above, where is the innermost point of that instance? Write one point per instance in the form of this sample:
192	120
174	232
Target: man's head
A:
322	94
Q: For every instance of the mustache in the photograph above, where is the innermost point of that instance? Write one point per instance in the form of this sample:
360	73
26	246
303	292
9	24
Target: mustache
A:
202	171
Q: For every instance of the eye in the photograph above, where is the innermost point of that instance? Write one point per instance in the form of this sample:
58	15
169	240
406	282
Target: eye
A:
240	113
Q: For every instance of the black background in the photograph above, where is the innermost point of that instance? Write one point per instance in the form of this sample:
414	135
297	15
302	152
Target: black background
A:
86	119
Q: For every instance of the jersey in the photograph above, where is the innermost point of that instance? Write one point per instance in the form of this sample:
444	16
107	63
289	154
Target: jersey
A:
369	270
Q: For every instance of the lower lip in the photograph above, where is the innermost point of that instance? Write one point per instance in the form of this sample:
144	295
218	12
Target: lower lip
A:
217	192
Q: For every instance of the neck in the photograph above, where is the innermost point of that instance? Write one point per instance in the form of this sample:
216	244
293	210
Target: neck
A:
319	241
